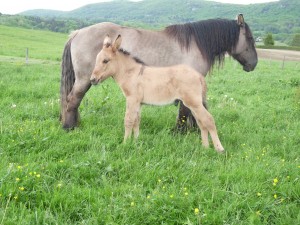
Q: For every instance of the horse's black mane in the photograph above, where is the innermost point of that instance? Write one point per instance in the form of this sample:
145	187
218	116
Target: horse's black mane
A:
136	59
214	37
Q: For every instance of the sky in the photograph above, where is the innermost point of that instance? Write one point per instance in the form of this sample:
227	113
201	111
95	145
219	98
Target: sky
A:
17	6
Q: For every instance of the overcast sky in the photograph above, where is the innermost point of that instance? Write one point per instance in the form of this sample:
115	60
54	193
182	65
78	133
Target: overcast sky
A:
17	6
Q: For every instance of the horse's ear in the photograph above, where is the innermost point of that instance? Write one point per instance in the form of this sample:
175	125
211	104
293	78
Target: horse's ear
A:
107	41
240	19
117	43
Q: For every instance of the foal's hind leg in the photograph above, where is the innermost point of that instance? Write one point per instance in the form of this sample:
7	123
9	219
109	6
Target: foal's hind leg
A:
73	101
205	119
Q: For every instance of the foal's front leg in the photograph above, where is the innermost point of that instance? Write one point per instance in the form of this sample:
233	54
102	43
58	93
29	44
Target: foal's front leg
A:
136	125
131	120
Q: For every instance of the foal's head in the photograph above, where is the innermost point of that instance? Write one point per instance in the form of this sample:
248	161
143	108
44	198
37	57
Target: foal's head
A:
106	64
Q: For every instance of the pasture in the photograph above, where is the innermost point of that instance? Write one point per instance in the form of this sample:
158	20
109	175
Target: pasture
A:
87	176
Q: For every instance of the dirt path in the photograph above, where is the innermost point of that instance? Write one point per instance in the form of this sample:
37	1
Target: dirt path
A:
275	54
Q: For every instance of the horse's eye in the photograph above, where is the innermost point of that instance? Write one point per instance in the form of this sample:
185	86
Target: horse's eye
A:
105	61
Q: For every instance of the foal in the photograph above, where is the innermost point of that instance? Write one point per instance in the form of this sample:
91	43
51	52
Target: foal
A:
153	85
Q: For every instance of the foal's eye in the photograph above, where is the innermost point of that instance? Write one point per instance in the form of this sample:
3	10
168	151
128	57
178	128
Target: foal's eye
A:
105	61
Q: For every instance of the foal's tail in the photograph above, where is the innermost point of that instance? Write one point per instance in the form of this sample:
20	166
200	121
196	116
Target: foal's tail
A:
67	78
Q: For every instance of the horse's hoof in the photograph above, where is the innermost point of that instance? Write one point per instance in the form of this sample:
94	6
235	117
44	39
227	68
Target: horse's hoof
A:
179	129
68	127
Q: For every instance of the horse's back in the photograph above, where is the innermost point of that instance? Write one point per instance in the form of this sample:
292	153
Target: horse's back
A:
86	44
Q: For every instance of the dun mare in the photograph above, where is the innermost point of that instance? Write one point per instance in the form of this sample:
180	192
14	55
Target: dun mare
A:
154	85
198	44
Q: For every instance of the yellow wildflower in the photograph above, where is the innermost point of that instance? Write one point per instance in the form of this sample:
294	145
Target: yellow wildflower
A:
18	179
132	204
186	194
196	211
258	194
38	175
172	196
275	196
148	196
275	181
21	188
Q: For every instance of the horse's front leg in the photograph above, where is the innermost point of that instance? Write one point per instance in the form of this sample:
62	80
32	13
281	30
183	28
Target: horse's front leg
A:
71	114
184	118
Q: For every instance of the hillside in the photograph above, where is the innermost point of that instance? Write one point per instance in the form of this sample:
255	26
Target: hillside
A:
280	18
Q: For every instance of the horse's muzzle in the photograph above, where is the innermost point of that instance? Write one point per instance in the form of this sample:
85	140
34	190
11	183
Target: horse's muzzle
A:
249	67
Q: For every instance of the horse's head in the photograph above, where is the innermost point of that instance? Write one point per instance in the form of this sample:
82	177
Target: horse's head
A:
106	63
244	51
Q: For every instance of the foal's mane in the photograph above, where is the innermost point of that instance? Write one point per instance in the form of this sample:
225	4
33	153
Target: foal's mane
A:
136	59
214	37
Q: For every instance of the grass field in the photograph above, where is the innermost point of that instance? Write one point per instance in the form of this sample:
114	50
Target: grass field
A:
87	176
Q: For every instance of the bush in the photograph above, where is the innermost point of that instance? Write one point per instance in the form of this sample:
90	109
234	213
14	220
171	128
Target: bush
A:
268	40
296	40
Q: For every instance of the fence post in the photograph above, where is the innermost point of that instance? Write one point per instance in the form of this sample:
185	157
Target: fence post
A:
282	66
26	55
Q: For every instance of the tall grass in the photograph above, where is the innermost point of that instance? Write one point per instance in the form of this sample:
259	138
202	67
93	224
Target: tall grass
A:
87	176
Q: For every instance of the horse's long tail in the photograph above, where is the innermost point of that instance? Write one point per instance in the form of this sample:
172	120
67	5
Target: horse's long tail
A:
67	78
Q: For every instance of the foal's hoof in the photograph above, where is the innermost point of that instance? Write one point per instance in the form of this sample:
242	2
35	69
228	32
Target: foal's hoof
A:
221	151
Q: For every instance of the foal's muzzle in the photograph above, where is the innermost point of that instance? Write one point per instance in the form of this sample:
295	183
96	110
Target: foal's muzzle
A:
94	80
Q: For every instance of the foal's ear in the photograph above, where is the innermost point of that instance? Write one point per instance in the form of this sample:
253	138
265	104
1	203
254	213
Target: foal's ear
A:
117	43
240	19
107	41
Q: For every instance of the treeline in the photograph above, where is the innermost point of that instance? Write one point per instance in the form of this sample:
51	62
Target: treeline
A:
62	25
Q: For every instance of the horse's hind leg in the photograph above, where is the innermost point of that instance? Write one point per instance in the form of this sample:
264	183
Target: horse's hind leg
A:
73	101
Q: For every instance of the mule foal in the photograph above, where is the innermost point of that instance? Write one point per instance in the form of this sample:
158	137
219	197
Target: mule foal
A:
154	85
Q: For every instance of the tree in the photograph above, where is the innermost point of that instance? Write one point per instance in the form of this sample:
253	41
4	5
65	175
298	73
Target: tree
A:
296	40
268	40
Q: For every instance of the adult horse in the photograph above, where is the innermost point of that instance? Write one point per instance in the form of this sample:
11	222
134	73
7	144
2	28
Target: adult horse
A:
198	44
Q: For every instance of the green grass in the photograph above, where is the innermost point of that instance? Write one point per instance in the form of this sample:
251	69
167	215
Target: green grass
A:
87	176
41	44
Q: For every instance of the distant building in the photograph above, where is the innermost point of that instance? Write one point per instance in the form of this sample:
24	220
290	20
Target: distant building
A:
258	39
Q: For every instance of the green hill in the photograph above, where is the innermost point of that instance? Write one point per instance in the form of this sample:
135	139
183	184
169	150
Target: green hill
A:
279	18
